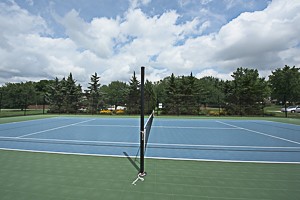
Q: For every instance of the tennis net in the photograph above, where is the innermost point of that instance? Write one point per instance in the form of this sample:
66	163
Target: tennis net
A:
147	129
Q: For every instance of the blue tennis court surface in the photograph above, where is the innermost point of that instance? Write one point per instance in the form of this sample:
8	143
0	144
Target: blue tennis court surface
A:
195	139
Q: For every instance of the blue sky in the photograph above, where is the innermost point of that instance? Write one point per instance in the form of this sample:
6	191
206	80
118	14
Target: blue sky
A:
42	39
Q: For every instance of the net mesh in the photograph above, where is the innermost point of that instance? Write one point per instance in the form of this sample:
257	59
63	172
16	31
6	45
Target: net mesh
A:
177	147
147	129
68	142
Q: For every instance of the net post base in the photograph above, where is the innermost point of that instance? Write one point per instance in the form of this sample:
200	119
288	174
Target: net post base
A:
141	177
142	174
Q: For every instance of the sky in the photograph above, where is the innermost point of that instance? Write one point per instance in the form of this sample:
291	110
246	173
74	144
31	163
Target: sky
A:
44	39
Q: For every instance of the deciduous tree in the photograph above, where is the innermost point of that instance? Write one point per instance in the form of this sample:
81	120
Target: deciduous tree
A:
285	84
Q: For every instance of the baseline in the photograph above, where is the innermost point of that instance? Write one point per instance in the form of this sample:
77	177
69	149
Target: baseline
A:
157	158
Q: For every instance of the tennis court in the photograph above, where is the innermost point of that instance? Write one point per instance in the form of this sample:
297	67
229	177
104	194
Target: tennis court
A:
190	139
260	159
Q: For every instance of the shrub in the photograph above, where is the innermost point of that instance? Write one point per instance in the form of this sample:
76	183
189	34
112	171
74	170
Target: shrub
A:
120	112
213	113
223	113
106	112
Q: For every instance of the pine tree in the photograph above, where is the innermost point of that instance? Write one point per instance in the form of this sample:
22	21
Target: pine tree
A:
55	96
150	100
73	94
172	100
93	93
189	95
64	96
134	95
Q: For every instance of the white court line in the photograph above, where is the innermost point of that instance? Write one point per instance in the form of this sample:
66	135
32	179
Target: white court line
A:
29	120
166	127
221	146
265	134
154	144
193	127
223	161
16	139
51	129
157	158
109	125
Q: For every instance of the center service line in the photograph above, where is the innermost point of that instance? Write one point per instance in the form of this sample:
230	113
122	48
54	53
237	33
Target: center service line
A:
280	138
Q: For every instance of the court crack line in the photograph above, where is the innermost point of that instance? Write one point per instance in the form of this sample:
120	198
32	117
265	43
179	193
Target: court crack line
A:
51	129
272	136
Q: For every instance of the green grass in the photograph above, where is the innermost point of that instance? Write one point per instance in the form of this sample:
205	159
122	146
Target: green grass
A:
23	118
275	111
273	108
26	175
34	117
275	119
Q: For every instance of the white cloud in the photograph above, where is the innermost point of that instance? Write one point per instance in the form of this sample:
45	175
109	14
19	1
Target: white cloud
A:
256	39
214	73
260	40
147	37
15	20
115	47
96	36
204	2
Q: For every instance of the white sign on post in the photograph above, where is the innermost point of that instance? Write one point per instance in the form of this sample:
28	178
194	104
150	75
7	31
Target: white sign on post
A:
160	106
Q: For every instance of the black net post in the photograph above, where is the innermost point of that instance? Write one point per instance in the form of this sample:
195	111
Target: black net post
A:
142	130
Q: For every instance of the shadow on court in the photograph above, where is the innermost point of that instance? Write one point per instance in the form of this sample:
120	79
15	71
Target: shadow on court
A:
132	161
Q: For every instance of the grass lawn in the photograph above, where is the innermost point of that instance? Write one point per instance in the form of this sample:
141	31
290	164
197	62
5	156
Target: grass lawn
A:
274	110
292	120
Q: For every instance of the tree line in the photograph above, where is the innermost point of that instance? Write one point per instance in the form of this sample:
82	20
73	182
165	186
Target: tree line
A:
245	94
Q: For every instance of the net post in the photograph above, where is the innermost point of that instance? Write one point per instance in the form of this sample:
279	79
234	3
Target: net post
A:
142	130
